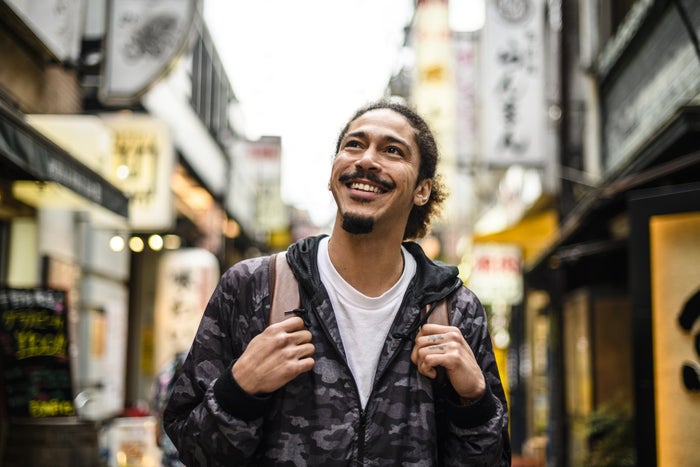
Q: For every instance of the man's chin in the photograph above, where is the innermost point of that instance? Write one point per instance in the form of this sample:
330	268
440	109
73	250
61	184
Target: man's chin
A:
357	225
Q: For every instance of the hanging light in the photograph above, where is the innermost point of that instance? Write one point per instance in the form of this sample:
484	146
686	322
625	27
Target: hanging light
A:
172	242
136	244
155	242
116	243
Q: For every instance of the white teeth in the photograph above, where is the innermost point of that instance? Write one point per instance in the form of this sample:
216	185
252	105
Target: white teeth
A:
364	187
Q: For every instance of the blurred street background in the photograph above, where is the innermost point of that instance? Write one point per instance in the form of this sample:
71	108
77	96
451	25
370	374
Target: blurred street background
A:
148	145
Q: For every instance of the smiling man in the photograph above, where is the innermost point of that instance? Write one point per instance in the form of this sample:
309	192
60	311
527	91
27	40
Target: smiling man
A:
358	377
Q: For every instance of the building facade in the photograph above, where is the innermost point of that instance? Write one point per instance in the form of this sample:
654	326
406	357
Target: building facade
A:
598	352
118	201
615	288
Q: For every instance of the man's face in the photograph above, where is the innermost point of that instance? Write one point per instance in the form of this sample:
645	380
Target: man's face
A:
374	174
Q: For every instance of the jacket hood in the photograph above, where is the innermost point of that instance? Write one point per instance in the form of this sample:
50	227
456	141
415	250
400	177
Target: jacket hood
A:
434	280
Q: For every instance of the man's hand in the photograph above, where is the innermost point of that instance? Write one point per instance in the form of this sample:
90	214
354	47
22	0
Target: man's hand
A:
275	357
444	346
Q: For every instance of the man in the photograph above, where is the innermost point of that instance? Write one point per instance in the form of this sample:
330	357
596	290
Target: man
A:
357	377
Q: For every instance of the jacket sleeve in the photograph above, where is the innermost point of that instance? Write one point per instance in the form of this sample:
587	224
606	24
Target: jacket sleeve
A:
208	417
478	432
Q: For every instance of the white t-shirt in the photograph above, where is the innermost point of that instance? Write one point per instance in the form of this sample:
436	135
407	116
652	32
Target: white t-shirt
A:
363	321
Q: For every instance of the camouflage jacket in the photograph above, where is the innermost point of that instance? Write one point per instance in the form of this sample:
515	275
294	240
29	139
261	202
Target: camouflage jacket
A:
317	419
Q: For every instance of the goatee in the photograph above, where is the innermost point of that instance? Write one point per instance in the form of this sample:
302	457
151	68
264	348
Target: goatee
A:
357	224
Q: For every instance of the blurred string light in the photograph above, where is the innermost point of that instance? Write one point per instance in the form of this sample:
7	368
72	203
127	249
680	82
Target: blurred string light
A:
155	242
137	244
172	242
466	15
116	243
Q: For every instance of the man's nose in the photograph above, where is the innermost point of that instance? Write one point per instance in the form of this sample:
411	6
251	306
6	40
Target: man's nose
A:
369	159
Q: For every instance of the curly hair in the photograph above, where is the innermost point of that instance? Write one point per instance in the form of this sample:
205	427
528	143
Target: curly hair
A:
420	217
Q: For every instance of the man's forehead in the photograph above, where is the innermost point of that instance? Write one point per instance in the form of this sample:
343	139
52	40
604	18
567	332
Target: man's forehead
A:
377	119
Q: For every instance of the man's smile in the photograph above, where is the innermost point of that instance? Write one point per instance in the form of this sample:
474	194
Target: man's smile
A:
365	187
370	183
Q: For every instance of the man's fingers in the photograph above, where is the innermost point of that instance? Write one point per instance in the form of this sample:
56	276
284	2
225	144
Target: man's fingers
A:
274	357
437	345
301	351
293	323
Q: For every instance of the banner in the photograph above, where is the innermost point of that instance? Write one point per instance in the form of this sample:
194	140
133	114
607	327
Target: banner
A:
35	366
513	102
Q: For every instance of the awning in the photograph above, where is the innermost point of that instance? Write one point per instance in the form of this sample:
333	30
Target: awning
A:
672	158
26	154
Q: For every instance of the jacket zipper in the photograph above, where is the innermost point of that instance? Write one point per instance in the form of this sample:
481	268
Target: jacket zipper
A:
361	438
363	413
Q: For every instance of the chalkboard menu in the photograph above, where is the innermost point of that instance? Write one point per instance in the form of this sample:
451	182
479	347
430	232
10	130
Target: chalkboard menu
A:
36	377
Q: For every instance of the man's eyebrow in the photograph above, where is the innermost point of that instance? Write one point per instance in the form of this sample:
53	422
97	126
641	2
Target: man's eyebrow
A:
355	134
400	141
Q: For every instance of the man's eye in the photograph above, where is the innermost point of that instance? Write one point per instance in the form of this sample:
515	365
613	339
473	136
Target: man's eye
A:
352	144
394	150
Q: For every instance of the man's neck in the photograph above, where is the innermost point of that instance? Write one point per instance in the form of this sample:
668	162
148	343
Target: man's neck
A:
370	263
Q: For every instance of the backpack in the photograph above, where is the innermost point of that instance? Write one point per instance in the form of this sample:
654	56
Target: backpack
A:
284	291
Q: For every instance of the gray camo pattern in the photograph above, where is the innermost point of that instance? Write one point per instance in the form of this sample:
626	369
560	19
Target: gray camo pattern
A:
315	420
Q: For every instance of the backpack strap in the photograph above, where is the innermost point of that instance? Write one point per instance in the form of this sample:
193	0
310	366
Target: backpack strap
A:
284	293
284	288
441	313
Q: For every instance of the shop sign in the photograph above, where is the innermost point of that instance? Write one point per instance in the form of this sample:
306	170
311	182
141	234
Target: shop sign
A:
58	23
513	99
186	280
654	80
36	374
257	199
141	166
143	40
465	69
675	321
496	275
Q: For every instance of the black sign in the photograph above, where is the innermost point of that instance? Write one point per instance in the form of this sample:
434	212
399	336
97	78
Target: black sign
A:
34	353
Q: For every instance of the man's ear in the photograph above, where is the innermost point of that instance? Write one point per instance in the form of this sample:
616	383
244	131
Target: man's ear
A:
422	193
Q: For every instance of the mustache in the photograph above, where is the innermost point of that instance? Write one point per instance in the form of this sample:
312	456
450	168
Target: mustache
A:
372	177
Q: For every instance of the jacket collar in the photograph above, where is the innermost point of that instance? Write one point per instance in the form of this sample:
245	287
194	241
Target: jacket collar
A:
434	280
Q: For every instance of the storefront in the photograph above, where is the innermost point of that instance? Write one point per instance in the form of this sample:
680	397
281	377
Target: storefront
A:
55	213
619	284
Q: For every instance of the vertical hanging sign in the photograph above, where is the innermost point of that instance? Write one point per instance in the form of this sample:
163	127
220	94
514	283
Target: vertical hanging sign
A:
513	76
186	280
465	70
36	377
434	86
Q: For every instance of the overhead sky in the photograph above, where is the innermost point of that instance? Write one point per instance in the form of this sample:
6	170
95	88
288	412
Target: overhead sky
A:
299	69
